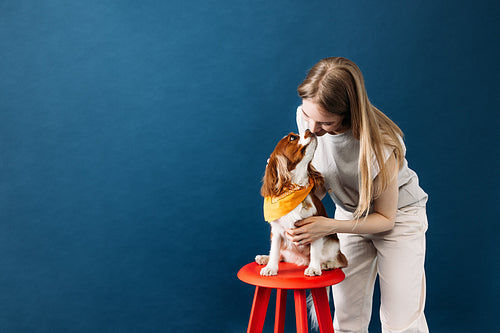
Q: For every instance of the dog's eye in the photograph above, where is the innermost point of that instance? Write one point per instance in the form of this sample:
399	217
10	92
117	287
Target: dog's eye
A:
293	137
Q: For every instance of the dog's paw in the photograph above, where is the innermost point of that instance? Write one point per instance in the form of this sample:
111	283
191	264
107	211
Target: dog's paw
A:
262	260
330	265
269	271
312	271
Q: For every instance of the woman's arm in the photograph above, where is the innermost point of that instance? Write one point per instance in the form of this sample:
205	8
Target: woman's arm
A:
381	219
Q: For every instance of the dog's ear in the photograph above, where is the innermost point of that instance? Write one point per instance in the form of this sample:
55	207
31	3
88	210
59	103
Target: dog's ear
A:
318	179
276	177
270	177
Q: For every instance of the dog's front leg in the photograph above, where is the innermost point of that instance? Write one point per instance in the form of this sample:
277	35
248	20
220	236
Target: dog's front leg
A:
314	268
274	256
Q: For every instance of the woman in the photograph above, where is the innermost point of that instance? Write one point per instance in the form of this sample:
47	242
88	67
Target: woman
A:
380	212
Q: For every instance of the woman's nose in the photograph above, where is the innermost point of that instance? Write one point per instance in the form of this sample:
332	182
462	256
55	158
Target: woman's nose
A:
314	126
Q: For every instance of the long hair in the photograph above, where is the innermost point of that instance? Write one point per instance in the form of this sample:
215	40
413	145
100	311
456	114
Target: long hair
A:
337	85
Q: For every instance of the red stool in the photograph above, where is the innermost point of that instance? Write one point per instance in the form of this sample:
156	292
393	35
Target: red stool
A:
289	276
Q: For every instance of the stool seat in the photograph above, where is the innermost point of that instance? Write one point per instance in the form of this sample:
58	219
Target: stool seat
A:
292	277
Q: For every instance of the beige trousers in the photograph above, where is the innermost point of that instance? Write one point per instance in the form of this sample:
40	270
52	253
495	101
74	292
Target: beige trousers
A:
397	256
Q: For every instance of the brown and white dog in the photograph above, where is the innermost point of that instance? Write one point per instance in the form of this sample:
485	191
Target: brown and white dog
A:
289	172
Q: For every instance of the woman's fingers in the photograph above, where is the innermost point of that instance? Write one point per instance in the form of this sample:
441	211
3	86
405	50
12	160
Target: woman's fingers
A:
298	236
303	222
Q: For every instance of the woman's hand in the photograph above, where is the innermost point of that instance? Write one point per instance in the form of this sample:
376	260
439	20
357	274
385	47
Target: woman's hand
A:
311	229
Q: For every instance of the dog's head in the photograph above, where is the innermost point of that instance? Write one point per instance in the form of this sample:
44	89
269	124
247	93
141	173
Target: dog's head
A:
290	159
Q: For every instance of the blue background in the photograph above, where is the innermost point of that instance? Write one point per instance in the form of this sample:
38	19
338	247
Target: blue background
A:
134	134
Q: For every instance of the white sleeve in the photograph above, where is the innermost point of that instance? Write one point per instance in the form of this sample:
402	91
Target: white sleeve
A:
301	124
387	153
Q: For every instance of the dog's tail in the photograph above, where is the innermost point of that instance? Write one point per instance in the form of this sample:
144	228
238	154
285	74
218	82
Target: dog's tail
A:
312	310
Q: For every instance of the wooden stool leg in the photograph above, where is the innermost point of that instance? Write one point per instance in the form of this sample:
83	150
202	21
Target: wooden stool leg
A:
322	310
279	318
259	309
301	310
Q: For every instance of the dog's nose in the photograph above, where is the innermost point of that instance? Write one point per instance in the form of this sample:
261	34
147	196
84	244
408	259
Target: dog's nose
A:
308	133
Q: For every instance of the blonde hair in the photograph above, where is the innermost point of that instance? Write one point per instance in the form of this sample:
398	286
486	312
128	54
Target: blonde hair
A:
337	85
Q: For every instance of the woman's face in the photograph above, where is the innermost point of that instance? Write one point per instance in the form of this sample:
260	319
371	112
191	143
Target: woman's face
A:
321	121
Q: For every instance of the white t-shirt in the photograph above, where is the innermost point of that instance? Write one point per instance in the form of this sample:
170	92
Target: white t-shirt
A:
336	157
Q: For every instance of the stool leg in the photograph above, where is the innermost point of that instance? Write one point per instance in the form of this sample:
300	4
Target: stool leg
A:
259	309
322	310
300	310
279	318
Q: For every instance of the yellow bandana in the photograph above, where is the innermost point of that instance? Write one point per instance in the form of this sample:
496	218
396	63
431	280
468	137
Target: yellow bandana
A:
276	207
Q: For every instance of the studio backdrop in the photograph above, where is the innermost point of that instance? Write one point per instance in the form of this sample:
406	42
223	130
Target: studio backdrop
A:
134	136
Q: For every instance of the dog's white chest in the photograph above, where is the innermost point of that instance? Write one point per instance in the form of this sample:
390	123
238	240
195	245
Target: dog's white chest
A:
302	211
